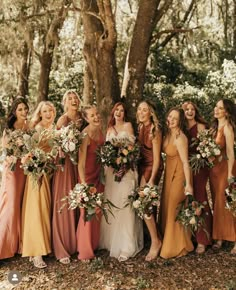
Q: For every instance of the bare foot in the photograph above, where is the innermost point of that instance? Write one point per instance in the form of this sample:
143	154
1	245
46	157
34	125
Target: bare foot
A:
200	249
233	251
154	251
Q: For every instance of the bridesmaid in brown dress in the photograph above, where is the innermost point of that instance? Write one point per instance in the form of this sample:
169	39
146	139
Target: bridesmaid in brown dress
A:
224	223
177	181
12	187
150	168
88	233
195	124
64	223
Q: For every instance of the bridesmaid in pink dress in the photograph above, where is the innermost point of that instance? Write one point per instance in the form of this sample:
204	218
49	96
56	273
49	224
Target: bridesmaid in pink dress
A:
64	223
88	233
195	124
224	223
12	187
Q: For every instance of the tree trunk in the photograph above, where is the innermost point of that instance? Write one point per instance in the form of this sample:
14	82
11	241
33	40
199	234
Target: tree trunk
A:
100	53
147	18
234	26
24	72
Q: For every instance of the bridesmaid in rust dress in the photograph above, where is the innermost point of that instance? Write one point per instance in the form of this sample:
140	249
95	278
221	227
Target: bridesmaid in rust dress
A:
224	223
12	187
150	169
195	124
88	233
64	223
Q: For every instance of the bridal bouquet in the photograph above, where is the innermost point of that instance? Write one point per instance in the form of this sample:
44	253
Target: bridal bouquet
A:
15	147
143	199
190	214
69	140
230	194
86	196
121	154
207	151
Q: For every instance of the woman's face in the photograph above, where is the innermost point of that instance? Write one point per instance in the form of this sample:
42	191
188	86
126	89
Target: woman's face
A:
173	119
93	117
143	113
21	112
190	112
47	114
72	102
219	110
119	113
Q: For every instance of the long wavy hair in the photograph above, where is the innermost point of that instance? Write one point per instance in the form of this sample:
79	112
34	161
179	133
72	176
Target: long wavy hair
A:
182	124
230	109
36	117
11	118
67	93
111	121
198	118
153	118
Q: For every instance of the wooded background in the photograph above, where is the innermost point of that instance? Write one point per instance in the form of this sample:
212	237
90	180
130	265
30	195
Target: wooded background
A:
110	50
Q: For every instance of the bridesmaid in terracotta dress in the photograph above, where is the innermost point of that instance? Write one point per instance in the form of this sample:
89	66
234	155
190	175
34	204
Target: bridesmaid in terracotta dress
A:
12	186
88	233
177	182
195	124
64	223
224	224
151	166
36	210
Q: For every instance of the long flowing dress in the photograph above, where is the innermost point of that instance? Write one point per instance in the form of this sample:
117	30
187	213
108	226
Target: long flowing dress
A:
176	239
224	223
146	162
123	236
200	194
64	223
88	233
11	194
36	215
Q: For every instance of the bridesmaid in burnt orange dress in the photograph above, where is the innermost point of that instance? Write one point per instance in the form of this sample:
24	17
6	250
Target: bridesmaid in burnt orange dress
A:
88	233
64	223
177	182
12	187
195	124
224	224
150	168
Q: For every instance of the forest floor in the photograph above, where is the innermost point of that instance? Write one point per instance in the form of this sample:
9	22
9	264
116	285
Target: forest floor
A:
211	270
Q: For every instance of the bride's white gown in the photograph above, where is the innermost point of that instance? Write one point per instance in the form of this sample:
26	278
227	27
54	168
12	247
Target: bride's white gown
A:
123	237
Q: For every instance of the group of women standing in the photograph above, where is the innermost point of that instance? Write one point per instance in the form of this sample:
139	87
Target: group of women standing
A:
30	220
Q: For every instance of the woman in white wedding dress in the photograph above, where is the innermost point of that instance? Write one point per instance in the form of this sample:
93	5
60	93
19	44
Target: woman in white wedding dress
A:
123	236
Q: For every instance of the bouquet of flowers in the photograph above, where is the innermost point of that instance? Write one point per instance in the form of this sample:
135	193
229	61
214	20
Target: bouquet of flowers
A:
15	147
69	139
230	194
86	196
143	199
121	154
207	151
190	214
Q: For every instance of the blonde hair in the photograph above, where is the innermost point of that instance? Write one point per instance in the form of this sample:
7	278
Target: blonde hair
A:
36	117
155	128
85	108
64	98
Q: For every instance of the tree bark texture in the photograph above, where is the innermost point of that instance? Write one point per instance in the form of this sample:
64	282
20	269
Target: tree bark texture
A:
24	71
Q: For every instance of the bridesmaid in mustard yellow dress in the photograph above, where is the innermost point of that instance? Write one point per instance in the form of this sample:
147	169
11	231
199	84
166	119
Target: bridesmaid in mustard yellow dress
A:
12	186
224	223
36	211
177	181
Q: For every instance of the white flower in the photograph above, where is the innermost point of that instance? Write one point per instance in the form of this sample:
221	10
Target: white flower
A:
146	190
217	152
86	199
198	156
99	203
71	135
71	146
203	155
125	160
192	221
136	203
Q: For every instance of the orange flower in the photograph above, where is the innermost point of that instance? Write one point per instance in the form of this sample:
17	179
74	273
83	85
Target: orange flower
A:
141	193
125	152
118	160
92	190
198	211
130	147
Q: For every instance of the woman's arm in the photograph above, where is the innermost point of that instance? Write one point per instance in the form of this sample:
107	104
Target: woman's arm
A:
82	159
182	147
229	137
156	146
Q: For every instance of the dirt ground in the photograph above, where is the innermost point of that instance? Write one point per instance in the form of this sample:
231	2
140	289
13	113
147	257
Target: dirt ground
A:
212	270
